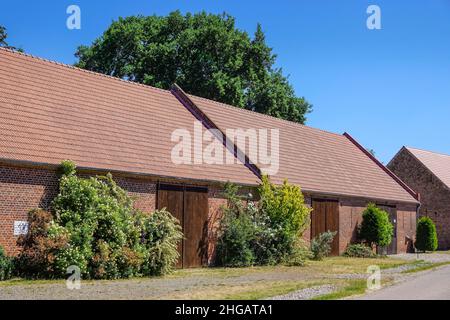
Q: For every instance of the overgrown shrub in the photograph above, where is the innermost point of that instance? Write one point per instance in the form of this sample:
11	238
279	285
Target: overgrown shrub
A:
237	232
426	236
283	211
359	250
160	237
6	266
41	247
268	233
299	255
376	227
321	245
96	228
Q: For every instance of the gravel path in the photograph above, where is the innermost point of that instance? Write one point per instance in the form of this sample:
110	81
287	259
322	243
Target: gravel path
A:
306	294
428	257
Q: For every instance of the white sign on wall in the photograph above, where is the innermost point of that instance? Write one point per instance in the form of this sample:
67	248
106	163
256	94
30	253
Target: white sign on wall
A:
20	227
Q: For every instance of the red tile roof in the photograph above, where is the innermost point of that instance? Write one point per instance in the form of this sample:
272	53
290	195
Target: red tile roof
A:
51	112
319	161
437	163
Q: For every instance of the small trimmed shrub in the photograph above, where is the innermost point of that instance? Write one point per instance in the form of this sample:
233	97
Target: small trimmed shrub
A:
321	245
359	250
6	266
426	236
376	227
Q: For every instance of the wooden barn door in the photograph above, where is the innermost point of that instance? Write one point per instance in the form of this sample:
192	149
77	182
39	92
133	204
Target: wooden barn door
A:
195	226
190	206
325	217
171	197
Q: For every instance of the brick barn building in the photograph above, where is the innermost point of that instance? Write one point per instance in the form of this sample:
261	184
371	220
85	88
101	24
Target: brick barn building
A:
428	173
51	112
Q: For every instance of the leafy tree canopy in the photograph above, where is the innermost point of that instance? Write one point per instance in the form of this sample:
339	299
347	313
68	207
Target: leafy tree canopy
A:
204	53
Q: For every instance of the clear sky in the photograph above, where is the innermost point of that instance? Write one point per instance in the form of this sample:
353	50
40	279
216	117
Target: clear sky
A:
387	88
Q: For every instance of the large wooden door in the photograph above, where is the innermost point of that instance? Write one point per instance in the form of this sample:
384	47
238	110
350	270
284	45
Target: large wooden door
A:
325	217
190	206
195	226
171	197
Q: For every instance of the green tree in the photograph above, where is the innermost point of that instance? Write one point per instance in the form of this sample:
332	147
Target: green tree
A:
376	227
426	236
3	43
204	53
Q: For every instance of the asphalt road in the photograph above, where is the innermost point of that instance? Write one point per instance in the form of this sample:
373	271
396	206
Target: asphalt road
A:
432	285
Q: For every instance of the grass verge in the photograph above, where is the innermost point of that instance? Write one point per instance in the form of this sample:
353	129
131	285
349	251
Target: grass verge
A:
352	287
422	266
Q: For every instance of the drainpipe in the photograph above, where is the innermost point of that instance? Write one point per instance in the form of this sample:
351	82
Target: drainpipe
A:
417	215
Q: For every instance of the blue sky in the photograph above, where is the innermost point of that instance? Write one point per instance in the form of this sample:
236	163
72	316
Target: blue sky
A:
387	88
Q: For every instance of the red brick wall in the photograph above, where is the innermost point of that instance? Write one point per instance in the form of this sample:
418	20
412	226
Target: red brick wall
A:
22	189
435	196
350	217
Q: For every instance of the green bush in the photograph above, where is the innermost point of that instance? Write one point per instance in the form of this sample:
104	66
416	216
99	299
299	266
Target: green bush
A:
376	227
6	266
237	232
264	234
426	236
160	237
283	211
359	250
299	254
96	228
41	247
321	245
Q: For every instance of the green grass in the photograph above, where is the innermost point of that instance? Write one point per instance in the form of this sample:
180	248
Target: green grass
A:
422	266
19	281
352	287
273	290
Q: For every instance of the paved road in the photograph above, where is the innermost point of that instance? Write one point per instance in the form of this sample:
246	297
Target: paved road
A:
432	285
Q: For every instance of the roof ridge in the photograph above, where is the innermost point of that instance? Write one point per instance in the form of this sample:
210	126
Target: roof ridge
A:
433	152
264	115
29	55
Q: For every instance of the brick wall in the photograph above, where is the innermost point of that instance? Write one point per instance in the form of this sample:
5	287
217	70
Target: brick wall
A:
435	196
350	217
22	189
